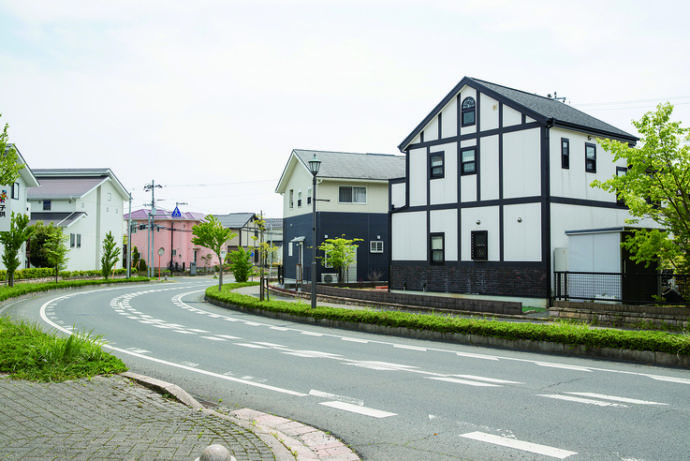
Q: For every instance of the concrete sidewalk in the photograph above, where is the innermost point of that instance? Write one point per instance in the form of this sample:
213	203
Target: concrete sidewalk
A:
132	417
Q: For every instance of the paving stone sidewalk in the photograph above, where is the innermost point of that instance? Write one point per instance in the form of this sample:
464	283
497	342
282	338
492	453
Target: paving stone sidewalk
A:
114	418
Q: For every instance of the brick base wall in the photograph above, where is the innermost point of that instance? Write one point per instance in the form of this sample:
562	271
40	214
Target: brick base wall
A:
528	282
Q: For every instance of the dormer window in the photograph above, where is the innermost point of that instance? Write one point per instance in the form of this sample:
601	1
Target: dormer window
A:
468	111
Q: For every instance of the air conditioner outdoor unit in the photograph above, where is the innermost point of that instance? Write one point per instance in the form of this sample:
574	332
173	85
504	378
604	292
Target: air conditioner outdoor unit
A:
329	278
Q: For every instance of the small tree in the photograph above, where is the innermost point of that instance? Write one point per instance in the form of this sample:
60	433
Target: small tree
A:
135	257
240	264
111	253
212	235
339	253
656	185
12	241
55	250
142	267
9	165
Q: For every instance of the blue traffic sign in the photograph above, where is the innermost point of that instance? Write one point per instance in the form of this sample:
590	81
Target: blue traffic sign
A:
176	213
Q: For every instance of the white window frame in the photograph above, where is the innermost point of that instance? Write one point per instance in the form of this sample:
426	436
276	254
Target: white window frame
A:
376	246
352	195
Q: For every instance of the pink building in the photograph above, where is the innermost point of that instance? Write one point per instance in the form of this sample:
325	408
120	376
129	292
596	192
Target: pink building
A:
174	236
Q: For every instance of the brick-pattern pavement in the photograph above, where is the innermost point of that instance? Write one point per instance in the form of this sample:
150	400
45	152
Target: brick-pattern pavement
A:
110	419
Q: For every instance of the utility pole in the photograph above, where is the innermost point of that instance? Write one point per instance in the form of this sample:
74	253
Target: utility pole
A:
152	219
129	239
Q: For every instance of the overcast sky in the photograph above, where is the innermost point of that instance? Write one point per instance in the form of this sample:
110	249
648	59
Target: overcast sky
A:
208	98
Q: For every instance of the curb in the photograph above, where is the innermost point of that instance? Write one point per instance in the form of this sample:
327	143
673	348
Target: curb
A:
289	440
664	359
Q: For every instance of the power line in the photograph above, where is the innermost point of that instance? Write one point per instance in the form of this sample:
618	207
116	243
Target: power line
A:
221	183
633	101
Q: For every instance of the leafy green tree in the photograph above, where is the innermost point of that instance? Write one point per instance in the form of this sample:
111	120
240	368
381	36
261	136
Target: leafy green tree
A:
12	241
37	256
339	253
142	267
55	250
240	264
135	257
212	235
111	253
9	165
656	186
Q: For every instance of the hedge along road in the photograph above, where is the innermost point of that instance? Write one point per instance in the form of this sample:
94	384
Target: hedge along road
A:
390	398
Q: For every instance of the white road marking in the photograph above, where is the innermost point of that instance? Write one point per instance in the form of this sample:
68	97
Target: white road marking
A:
362	410
669	379
489	380
464	381
214	338
520	445
374	365
310	333
196	330
279	328
252	324
251	346
354	340
228	337
570	398
261	343
477	356
615	398
410	348
563	366
341	398
168	363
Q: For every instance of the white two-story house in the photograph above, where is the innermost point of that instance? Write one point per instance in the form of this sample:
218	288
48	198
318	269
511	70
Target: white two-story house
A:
496	191
352	199
13	199
87	204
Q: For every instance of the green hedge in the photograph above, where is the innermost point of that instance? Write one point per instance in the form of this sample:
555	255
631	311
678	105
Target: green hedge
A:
47	272
560	332
26	288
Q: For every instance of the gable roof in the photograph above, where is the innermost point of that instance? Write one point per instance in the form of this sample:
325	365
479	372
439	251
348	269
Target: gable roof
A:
71	183
543	109
162	214
26	173
235	220
59	218
345	165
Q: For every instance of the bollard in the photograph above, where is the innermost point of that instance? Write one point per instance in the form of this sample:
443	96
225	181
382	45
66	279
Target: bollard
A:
215	453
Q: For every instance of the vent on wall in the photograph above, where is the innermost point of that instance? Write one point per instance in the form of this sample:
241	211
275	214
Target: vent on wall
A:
329	278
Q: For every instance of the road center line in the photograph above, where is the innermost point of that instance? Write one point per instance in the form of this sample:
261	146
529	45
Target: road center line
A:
519	445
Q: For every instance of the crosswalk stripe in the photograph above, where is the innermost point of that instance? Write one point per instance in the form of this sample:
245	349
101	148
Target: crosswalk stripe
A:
616	398
463	381
520	445
570	398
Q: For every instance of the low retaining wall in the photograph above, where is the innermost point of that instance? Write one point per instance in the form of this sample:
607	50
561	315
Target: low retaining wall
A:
622	315
648	357
408	300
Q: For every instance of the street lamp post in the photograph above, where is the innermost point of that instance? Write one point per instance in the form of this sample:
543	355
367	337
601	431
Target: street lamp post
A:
314	165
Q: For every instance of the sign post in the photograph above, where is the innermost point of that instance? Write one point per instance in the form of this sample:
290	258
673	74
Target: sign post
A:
161	252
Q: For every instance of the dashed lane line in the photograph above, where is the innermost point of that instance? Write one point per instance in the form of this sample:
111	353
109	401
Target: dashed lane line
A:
536	448
358	409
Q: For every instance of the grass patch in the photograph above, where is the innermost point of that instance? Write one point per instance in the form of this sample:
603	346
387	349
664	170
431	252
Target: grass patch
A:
561	332
27	352
530	309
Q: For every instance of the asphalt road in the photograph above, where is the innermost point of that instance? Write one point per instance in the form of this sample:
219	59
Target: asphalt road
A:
389	398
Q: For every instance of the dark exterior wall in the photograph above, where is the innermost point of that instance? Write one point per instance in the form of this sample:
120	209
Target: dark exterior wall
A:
528	280
366	226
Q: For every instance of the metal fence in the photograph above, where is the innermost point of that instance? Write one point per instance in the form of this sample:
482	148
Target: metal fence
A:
664	287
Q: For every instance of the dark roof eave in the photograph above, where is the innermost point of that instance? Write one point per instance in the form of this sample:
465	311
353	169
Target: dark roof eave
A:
594	131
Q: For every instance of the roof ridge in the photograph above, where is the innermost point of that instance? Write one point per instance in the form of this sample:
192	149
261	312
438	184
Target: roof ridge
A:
517	89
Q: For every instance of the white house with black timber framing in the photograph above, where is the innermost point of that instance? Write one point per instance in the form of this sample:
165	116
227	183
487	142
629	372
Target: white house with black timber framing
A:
496	181
352	199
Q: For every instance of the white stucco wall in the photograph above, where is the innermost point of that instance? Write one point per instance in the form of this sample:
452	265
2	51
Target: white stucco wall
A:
449	119
417	176
445	190
521	164
488	220
446	221
409	236
398	194
488	167
488	113
522	232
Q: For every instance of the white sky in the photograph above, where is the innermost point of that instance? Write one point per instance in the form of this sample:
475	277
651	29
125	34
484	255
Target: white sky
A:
208	98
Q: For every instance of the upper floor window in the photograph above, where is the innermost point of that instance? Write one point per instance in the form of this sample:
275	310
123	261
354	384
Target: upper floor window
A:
480	245
436	248
291	198
299	198
590	157
468	111
15	190
620	171
46	205
436	165
352	194
376	246
468	159
309	196
565	153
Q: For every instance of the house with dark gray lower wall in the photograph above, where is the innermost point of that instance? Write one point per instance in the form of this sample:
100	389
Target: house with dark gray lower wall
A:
496	188
352	199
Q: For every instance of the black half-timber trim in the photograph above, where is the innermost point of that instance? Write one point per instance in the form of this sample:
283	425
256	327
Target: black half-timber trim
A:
487	133
545	204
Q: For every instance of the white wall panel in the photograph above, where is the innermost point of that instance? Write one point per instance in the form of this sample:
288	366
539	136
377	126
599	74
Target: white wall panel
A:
522	232
521	164
598	252
431	130
417	173
488	221
488	114
445	190
449	119
409	236
446	221
398	195
511	117
488	167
